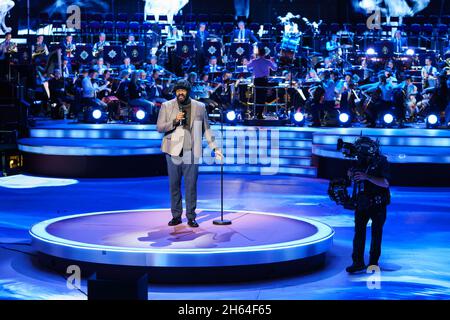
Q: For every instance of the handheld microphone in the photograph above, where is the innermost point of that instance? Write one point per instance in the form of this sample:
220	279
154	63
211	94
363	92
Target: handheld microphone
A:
182	121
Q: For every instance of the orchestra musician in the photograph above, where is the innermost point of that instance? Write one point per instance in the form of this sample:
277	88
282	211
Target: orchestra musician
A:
127	65
131	41
200	37
97	50
156	90
153	65
7	48
212	67
66	68
136	95
243	35
429	74
261	71
39	51
90	90
68	47
333	46
100	66
399	41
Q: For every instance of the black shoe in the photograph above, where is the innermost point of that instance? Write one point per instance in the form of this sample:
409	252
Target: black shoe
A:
192	223
355	268
175	222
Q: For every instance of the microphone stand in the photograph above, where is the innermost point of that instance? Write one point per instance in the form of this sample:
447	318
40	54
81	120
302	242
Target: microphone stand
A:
221	222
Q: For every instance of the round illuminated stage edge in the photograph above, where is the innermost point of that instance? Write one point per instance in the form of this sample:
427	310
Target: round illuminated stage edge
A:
256	245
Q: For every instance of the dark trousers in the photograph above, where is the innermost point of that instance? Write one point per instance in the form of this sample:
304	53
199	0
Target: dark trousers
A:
378	217
260	95
178	167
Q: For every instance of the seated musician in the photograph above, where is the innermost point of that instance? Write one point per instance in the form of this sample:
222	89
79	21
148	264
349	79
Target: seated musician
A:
152	65
212	66
201	90
39	51
243	35
66	68
410	92
90	90
121	91
244	66
58	99
97	50
429	74
108	96
312	76
100	66
137	93
127	65
386	92
333	45
156	90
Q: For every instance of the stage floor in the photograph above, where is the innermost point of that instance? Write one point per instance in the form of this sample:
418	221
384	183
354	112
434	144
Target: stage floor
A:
414	262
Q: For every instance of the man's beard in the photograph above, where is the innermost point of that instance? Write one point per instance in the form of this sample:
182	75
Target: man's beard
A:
181	98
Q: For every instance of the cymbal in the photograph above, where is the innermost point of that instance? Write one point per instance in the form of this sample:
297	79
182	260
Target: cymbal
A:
346	46
307	48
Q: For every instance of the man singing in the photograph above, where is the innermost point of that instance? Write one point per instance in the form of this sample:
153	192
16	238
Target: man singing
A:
184	121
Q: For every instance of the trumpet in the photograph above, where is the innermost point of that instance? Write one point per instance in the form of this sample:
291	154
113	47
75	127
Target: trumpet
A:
12	48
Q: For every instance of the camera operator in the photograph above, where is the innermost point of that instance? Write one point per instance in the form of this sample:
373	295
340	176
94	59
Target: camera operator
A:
371	195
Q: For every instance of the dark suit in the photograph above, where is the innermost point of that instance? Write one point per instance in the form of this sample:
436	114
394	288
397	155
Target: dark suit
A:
399	43
199	40
248	35
200	54
124	67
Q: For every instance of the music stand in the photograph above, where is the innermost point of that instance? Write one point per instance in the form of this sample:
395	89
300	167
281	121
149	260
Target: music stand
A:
185	49
240	50
112	54
135	53
83	54
212	48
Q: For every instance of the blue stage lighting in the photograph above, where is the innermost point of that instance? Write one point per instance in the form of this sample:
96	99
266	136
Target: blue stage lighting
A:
388	118
96	114
432	121
140	114
231	116
344	117
371	51
298	118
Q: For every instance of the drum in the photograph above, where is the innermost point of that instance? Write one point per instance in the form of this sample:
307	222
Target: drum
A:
290	43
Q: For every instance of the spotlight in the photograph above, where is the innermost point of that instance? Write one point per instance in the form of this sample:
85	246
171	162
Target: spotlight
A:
140	115
343	117
95	115
231	116
298	118
432	121
371	51
410	52
388	120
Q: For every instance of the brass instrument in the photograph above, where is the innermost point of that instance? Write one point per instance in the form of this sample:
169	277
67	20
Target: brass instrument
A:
40	49
12	48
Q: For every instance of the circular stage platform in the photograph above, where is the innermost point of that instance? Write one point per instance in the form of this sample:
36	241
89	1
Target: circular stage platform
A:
256	245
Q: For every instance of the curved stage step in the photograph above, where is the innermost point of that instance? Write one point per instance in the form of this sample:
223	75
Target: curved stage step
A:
100	150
